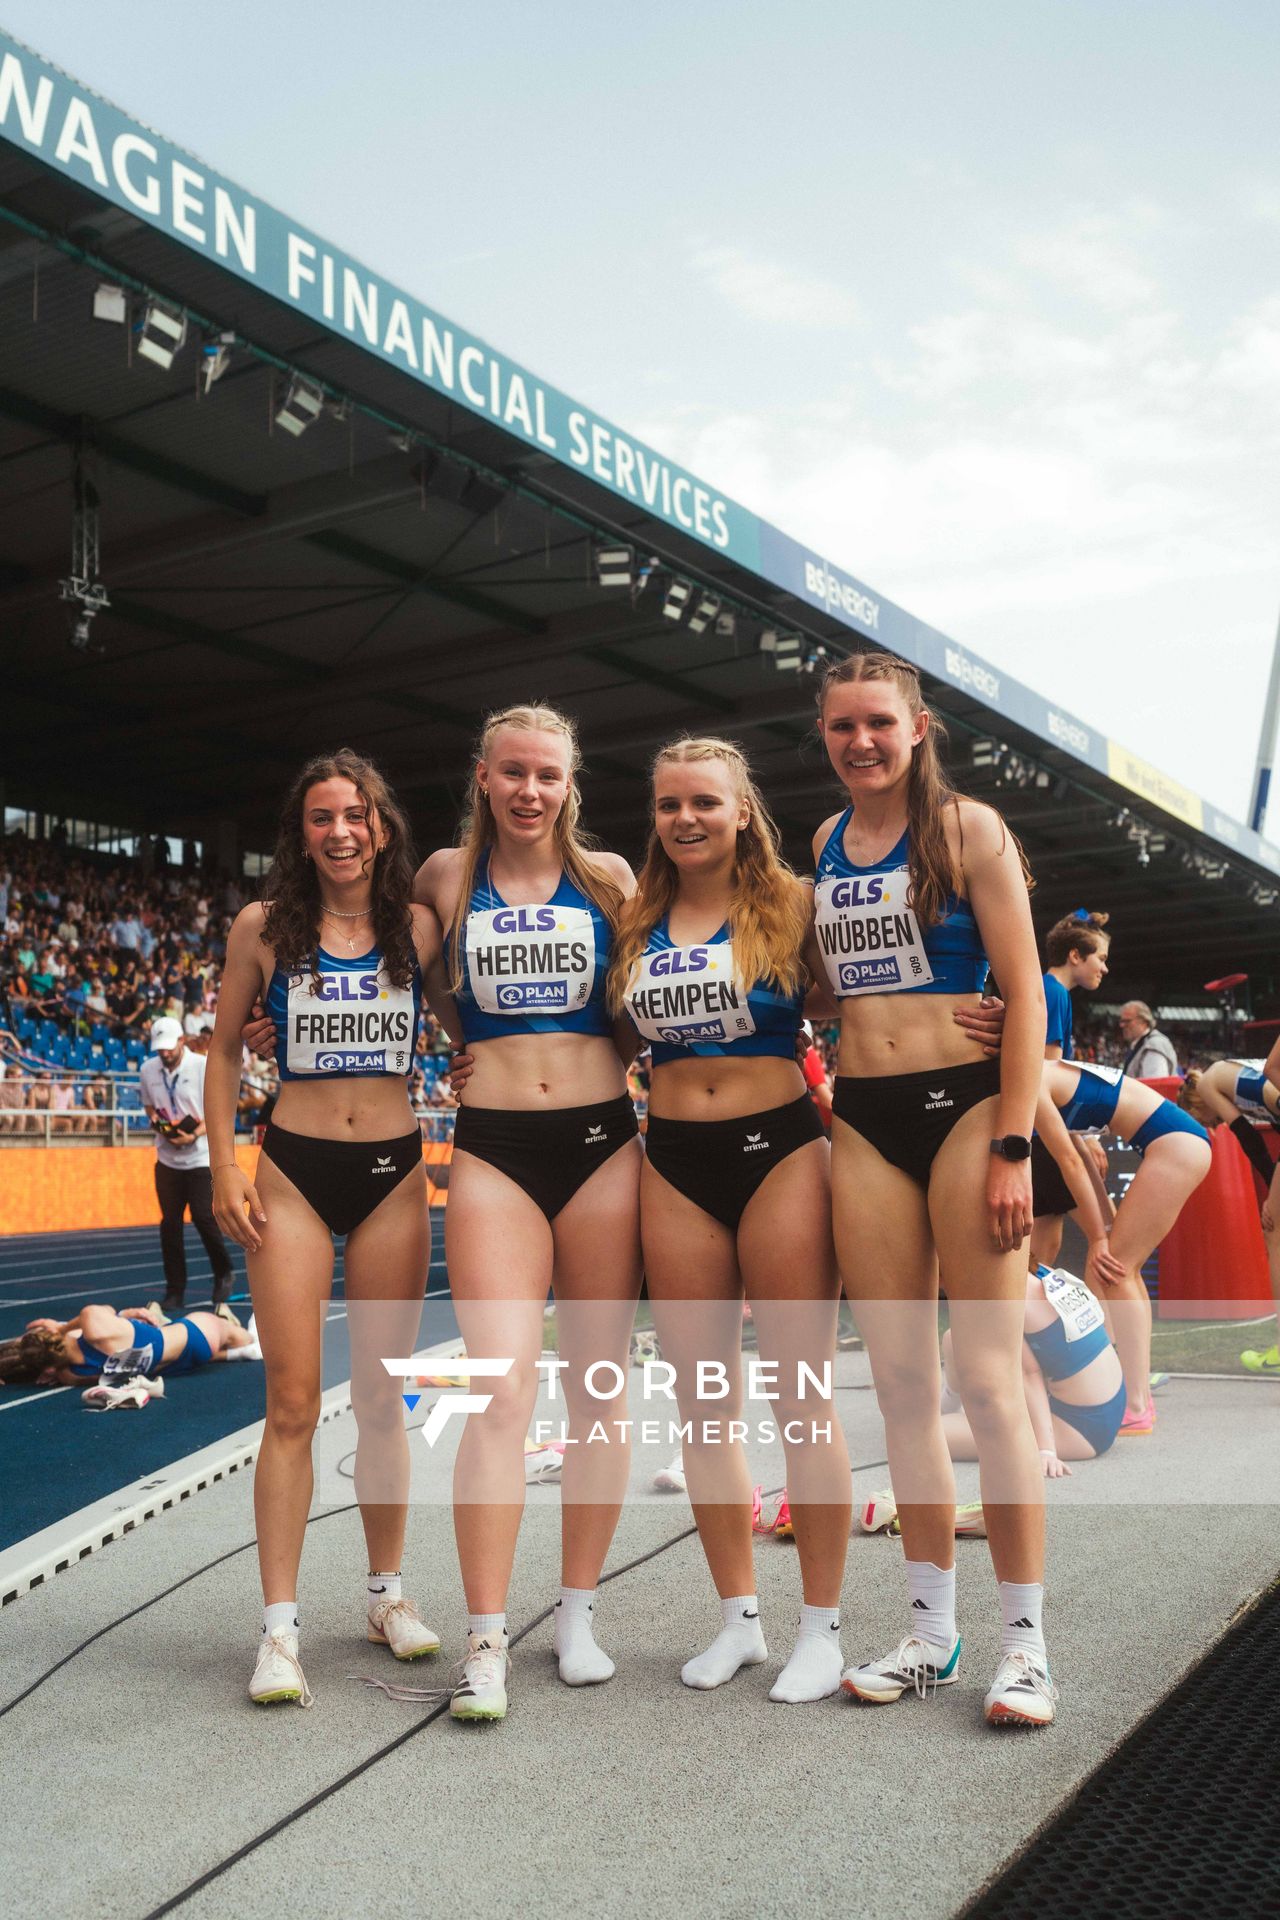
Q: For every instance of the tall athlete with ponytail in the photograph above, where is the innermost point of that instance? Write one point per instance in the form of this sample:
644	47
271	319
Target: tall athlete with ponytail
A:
735	1192
916	890
544	1184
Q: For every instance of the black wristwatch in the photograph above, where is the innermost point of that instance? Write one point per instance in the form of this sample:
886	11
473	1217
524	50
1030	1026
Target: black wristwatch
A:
1012	1146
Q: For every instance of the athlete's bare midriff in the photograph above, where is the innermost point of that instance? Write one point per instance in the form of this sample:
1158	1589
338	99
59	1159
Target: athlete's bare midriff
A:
371	1106
888	1033
717	1087
536	1072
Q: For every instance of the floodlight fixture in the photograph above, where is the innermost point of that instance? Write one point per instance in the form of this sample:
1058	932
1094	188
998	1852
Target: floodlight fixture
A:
110	303
726	626
985	752
161	334
786	649
703	613
615	567
679	594
215	357
302	406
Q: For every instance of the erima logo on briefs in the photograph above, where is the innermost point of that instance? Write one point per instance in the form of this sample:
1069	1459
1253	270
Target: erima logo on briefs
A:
755	1144
869	973
596	1137
383	1166
937	1099
536	994
450	1404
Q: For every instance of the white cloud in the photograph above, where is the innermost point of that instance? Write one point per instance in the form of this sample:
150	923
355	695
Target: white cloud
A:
763	289
1094	255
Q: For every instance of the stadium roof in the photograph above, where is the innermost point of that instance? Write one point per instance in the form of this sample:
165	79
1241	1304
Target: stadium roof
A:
425	549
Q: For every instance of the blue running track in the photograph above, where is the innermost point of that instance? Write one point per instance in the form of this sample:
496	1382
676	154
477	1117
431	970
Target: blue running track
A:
56	1456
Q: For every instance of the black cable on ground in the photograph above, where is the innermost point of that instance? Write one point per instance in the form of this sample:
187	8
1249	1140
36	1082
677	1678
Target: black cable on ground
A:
402	1739
142	1606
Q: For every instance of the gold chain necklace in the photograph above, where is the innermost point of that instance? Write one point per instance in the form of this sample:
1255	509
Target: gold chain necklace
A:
328	913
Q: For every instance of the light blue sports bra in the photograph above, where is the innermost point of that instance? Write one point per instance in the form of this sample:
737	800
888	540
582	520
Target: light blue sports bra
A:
868	934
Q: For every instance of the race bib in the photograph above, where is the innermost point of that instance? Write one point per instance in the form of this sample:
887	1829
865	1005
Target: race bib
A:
356	1023
118	1367
687	995
868	935
1112	1075
1073	1303
524	960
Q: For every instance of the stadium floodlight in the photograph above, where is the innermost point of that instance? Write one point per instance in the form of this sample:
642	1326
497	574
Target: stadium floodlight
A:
110	303
302	406
703	613
215	357
986	753
679	594
161	334
784	648
813	661
615	567
726	626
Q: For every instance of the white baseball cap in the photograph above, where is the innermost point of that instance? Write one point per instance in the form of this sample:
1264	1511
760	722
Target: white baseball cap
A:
165	1034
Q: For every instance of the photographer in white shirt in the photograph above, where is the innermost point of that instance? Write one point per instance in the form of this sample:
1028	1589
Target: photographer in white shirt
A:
171	1085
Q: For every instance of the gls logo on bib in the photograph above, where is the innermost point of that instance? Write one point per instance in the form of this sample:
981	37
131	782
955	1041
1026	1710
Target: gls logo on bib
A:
531	959
353	1023
686	995
868	934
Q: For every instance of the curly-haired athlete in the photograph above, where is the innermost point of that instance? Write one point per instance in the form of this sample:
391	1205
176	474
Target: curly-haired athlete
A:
339	956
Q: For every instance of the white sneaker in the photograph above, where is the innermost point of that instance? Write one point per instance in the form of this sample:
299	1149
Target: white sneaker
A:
481	1694
917	1664
670	1479
131	1393
278	1673
1022	1694
395	1624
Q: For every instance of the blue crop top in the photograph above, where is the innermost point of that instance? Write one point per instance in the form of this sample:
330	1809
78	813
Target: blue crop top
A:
144	1335
1058	1356
357	1022
870	939
1058	1004
537	969
688	1000
1094	1101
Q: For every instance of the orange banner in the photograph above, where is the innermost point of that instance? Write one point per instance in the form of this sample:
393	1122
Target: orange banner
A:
62	1189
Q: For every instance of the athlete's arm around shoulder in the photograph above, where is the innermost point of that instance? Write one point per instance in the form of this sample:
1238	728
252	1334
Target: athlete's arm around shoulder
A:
428	941
996	888
245	976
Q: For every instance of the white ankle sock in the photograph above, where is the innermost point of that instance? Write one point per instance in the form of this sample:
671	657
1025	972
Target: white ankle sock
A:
813	1671
487	1626
380	1587
280	1617
1020	1630
582	1663
932	1593
739	1643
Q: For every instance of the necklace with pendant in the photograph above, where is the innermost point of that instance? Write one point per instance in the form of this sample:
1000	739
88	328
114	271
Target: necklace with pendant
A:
329	913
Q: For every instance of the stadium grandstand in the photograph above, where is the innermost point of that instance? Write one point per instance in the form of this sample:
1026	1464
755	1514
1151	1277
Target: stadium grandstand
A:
258	498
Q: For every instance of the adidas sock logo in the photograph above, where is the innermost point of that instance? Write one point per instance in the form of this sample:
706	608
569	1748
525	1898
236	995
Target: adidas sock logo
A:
1019	1623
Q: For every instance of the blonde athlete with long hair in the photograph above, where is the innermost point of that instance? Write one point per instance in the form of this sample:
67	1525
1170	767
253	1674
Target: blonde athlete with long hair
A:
735	1192
916	889
543	1190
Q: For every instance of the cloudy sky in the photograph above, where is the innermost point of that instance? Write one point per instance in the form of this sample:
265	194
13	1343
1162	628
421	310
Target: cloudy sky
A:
981	301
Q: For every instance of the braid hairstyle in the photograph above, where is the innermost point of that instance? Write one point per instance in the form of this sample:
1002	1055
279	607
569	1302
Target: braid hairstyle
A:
768	910
291	924
478	834
935	875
